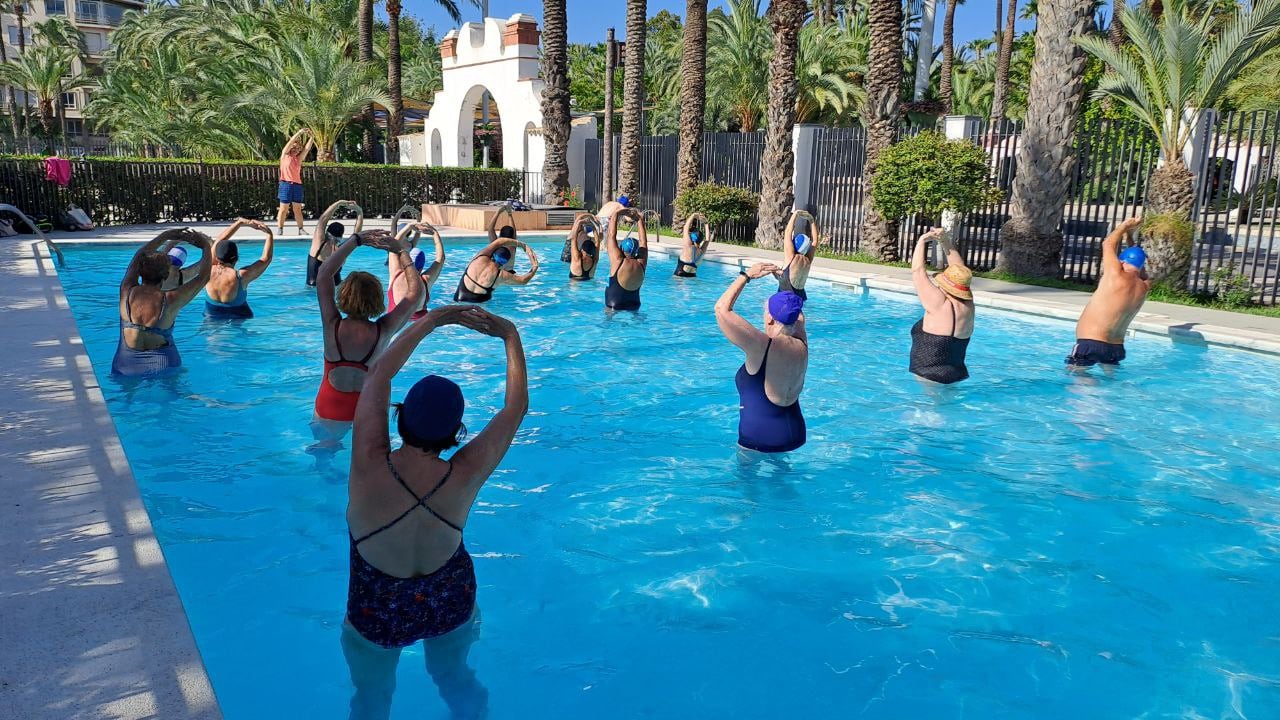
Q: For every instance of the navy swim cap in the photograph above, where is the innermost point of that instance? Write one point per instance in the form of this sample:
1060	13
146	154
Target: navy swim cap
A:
336	229
178	256
1134	255
502	256
228	251
785	307
589	247
432	409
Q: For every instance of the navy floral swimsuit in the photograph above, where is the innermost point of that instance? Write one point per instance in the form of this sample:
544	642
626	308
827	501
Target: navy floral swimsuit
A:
396	612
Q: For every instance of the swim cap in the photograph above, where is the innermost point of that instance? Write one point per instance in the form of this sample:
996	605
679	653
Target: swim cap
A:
589	247
178	256
432	409
624	201
785	307
507	232
419	259
693	235
336	229
803	243
502	256
629	247
228	251
1134	255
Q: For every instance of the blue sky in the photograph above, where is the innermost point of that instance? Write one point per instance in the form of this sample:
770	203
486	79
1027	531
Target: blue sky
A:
589	18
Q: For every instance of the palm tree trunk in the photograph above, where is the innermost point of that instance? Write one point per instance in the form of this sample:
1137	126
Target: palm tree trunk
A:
881	114
13	99
777	194
19	9
606	163
364	22
632	98
1000	99
1115	33
948	56
1031	243
555	99
693	98
395	113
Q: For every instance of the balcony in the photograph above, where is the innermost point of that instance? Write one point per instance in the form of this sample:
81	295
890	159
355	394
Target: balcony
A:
94	12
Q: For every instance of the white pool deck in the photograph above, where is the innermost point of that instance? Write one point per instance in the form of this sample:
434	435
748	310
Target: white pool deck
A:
91	625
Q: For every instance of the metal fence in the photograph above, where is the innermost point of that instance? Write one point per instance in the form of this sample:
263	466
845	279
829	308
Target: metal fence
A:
78	147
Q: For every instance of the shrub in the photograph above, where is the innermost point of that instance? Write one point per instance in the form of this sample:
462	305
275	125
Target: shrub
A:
929	174
1230	287
719	204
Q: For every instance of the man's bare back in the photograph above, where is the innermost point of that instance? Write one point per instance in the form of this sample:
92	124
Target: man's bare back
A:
1120	294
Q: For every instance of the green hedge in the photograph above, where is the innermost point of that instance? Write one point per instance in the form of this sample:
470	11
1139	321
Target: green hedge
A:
116	191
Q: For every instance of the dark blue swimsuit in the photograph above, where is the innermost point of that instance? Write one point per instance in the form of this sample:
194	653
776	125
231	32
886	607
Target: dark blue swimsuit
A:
131	362
396	612
762	425
618	297
237	308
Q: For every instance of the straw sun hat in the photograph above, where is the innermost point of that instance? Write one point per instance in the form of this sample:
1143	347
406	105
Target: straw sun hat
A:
955	281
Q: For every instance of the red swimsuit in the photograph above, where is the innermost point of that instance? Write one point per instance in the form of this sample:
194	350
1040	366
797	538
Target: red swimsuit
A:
426	295
335	404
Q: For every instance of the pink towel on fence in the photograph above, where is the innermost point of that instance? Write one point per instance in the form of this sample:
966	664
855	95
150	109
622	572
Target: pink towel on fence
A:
58	170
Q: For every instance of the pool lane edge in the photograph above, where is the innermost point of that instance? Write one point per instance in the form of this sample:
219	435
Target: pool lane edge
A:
92	622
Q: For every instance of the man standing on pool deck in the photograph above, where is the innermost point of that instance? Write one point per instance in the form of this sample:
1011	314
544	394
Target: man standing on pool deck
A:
290	193
1120	294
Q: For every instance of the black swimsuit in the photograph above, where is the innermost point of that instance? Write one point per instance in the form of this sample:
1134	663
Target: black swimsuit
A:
464	294
620	298
939	358
684	269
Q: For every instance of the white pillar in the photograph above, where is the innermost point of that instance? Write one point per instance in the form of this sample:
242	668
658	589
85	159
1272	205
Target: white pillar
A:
802	144
924	48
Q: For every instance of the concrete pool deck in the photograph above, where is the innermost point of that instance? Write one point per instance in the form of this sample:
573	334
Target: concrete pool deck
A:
90	622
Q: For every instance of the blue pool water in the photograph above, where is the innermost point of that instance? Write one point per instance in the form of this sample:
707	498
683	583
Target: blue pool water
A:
1026	544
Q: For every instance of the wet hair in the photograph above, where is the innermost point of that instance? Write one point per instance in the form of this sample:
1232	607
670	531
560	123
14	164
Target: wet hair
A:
435	445
154	268
361	295
508	232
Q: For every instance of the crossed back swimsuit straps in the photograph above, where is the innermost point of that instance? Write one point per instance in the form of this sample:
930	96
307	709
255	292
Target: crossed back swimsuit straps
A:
238	307
131	362
762	424
462	294
394	611
939	358
426	295
618	297
335	404
586	273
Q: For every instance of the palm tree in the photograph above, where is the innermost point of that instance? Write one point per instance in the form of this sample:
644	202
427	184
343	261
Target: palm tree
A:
1115	32
738	60
14	125
1031	243
999	104
831	56
881	113
423	78
59	32
948	54
1172	67
316	87
40	72
395	113
555	99
777	194
632	98
693	97
364	23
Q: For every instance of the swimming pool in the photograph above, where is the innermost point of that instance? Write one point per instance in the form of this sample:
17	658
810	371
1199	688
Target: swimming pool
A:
1025	544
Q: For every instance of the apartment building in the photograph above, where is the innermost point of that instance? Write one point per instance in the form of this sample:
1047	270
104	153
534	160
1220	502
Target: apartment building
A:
96	19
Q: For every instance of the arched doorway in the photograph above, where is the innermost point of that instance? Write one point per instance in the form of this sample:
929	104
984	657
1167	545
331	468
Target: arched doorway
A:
436	157
479	130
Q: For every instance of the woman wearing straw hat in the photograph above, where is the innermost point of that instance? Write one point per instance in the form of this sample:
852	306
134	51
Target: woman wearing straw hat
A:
940	339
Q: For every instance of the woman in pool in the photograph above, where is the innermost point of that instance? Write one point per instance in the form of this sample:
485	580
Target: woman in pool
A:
491	266
398	281
326	237
769	416
411	578
800	251
695	246
584	251
227	290
628	260
147	312
290	192
358	335
940	339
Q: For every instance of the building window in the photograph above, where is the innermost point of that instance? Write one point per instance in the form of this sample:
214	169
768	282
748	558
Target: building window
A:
74	127
88	10
113	14
95	42
69	100
12	32
55	7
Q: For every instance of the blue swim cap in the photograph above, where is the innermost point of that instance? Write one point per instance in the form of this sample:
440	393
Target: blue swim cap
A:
629	246
419	259
1134	256
693	235
178	256
432	409
502	256
785	307
624	201
803	243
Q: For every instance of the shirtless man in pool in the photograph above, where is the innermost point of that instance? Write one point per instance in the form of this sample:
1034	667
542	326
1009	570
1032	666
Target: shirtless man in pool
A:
1120	294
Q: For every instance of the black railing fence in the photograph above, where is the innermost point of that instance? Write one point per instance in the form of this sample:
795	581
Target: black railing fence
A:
116	192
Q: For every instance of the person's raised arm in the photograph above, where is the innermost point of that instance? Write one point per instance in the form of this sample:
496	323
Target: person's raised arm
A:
533	267
433	270
230	230
788	240
930	296
1111	245
397	253
370	437
168	239
324	280
574	251
481	456
188	290
735	327
493	224
643	237
254	270
615	252
295	138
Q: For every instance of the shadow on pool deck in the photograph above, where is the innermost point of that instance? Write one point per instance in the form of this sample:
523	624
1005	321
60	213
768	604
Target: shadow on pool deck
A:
91	622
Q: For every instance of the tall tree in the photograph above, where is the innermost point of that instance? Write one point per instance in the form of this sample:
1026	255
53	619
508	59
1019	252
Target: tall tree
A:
555	99
632	98
44	71
610	66
14	125
777	194
999	104
1115	31
948	54
693	97
364	28
881	114
395	113
1031	243
738	60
